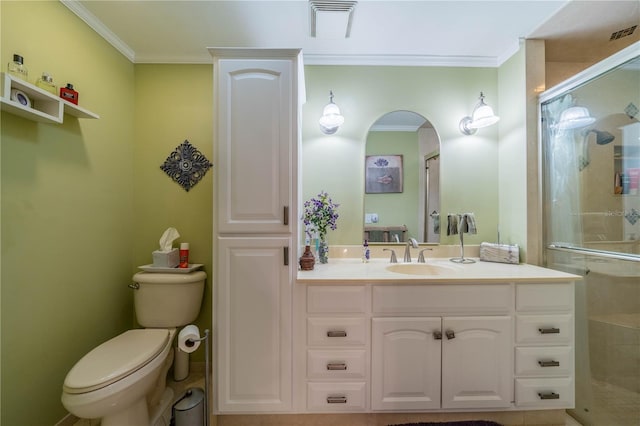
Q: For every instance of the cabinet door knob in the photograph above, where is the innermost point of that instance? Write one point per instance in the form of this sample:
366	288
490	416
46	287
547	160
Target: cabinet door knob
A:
336	333
549	330
337	399
548	395
549	363
450	334
336	366
437	335
285	215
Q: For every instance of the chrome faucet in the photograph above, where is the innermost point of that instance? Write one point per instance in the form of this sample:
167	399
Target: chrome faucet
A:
407	251
421	255
393	259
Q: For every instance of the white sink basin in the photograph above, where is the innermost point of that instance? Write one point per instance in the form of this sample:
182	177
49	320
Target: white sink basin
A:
422	268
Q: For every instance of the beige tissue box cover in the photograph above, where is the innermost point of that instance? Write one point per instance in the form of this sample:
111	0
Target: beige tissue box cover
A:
166	259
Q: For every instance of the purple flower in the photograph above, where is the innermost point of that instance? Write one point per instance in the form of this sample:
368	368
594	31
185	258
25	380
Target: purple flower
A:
320	214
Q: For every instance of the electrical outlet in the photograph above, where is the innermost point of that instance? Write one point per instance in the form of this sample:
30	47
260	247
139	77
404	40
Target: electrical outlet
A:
371	218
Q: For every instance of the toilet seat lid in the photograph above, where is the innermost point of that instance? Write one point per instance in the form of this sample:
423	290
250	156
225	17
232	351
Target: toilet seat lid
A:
115	359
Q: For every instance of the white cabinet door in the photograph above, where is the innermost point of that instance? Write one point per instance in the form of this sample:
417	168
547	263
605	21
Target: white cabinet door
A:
477	362
255	110
254	324
405	363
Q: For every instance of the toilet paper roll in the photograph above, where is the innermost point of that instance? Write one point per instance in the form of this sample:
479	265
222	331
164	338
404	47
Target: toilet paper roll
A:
189	338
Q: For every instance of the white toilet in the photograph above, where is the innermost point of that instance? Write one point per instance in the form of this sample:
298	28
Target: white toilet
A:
123	380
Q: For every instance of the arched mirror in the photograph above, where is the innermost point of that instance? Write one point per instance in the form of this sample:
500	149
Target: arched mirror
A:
402	180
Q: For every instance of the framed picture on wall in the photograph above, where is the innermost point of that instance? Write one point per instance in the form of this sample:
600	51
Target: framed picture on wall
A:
383	174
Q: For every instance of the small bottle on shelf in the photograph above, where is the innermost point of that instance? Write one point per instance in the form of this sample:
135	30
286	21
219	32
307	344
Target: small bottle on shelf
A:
46	82
68	94
17	68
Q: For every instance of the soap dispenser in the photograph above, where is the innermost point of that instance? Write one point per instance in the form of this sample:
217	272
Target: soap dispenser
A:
366	254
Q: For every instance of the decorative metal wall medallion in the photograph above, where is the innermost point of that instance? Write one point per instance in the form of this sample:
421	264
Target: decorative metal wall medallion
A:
186	165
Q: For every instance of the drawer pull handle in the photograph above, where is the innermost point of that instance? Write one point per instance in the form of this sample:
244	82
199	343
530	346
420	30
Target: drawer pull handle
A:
549	395
550	330
450	334
549	363
336	366
336	333
285	215
437	335
337	399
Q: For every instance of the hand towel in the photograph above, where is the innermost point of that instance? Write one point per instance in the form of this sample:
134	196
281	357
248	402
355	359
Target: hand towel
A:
470	221
452	224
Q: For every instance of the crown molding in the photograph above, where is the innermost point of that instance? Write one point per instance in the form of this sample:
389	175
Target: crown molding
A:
400	60
90	19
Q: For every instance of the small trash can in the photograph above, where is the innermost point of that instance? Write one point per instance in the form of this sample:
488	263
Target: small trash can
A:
189	410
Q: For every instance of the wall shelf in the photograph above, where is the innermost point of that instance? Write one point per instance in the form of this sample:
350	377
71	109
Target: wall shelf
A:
45	107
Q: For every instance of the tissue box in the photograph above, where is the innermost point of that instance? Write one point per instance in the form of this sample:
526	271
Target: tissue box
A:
502	253
166	259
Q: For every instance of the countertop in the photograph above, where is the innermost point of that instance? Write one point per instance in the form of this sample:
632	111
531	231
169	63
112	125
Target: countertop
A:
438	270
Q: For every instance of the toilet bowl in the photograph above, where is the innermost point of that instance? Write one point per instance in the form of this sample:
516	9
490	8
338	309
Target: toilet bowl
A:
123	380
113	380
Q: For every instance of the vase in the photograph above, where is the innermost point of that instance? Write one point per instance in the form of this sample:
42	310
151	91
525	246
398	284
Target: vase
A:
323	251
307	260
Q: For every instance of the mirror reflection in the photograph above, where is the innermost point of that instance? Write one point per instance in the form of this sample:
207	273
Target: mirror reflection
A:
402	180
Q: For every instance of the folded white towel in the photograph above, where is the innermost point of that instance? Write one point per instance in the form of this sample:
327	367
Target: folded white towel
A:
502	253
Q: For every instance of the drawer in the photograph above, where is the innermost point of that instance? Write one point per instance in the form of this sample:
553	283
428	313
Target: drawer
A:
453	298
544	297
544	361
336	396
336	364
552	329
556	392
324	331
336	299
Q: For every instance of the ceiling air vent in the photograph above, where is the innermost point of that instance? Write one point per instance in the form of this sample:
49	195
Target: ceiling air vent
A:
331	19
623	33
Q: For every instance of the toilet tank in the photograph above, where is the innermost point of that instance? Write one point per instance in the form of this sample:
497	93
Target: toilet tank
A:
165	300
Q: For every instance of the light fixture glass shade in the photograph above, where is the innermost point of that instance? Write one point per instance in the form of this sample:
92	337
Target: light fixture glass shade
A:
482	116
575	118
331	119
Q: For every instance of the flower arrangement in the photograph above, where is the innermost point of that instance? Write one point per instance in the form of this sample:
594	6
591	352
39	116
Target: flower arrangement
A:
320	215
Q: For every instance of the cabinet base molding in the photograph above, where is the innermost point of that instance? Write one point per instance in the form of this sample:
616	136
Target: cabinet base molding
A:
511	418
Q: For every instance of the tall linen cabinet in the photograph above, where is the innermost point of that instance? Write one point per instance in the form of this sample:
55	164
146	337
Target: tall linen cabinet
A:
257	98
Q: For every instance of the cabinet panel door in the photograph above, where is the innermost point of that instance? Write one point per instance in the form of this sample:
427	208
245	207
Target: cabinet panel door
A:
254	325
477	362
405	364
255	113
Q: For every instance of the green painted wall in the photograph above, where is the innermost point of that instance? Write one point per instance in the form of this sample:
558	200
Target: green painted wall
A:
469	181
173	103
67	198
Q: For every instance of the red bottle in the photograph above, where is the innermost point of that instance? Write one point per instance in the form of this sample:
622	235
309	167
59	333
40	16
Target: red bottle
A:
184	255
68	94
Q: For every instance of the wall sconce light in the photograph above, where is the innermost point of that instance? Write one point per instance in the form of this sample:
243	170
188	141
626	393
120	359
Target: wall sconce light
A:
575	117
482	116
331	118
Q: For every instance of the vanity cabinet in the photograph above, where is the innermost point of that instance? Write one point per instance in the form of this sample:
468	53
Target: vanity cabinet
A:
256	115
434	346
431	362
544	342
